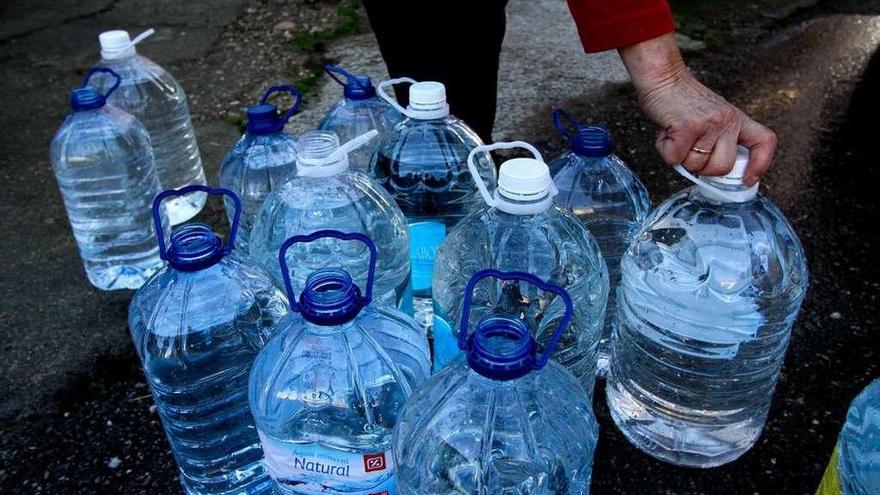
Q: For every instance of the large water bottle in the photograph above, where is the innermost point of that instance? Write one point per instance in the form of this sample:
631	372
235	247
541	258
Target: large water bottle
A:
325	194
709	291
327	389
423	163
519	229
503	420
855	464
261	160
606	196
152	95
102	160
198	325
360	111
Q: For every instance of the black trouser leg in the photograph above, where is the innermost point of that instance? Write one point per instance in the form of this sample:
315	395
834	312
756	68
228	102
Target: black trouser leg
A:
455	42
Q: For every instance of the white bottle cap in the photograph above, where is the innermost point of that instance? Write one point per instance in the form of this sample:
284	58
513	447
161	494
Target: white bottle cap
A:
427	100
738	172
524	179
117	44
733	178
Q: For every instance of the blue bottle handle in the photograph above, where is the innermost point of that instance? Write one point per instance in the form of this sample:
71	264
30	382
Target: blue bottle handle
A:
334	71
541	361
297	99
320	234
183	191
563	123
104	70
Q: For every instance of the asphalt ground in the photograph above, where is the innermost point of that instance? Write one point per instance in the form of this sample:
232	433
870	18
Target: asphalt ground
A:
76	416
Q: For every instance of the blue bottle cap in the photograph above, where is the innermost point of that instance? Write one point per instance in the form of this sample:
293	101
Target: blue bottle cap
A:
330	296
354	87
591	140
501	348
194	246
265	118
86	97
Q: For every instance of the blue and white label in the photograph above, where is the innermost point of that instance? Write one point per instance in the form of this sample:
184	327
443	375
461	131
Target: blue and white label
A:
424	239
445	339
314	469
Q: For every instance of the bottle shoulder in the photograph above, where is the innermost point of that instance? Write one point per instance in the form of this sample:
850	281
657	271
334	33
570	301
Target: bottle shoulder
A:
107	131
603	186
255	152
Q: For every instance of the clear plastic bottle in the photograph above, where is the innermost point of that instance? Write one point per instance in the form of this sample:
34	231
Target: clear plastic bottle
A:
606	196
260	160
198	325
325	194
855	464
152	95
709	291
327	390
103	162
422	162
502	420
359	112
520	229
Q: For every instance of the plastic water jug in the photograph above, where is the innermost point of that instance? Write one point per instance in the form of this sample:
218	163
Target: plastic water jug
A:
103	162
503	419
606	196
198	325
327	390
422	162
260	160
520	229
325	194
358	112
709	291
152	95
855	464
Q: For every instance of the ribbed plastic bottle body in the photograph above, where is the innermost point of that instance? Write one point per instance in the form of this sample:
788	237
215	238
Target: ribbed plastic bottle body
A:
708	295
197	334
553	246
152	95
858	448
104	166
423	164
463	433
348	202
255	166
351	118
612	203
326	399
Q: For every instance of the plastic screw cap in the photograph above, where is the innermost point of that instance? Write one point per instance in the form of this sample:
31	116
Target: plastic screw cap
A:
427	95
592	140
738	172
524	179
116	44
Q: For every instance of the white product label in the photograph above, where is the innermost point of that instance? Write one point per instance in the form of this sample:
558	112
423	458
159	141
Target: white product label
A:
314	469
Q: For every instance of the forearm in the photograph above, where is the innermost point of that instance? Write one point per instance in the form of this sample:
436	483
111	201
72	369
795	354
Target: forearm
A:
654	63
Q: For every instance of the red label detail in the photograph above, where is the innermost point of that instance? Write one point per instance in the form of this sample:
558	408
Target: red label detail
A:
374	462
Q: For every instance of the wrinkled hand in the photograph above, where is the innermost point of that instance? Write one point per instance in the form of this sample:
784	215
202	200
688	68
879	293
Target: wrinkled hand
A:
699	128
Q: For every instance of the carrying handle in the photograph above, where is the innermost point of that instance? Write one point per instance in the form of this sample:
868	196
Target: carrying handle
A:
380	89
563	123
501	145
732	196
334	71
141	37
297	99
542	360
183	191
104	70
321	234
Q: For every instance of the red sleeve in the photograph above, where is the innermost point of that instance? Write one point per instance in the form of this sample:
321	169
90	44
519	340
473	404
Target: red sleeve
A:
607	24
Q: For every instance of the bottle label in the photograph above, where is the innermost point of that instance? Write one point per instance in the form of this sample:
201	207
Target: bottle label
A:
424	239
830	484
314	469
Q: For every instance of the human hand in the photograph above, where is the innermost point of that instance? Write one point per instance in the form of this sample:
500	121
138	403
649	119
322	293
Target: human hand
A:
699	128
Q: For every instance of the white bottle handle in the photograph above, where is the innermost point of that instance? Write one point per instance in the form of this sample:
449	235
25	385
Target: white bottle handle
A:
357	142
380	90
732	196
484	192
142	36
335	162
